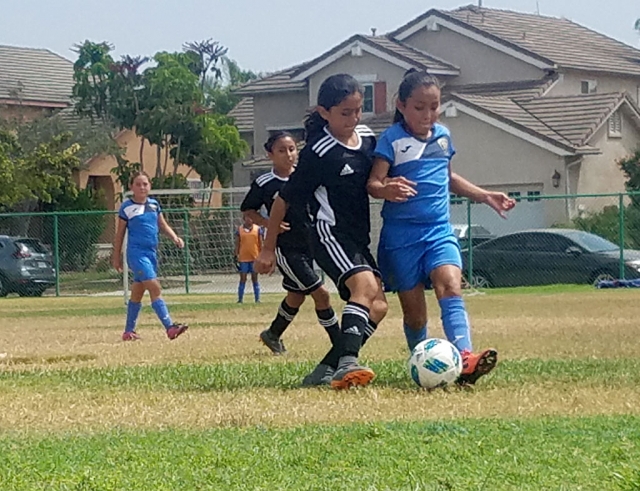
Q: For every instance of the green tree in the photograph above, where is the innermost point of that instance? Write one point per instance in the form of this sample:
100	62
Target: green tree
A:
92	75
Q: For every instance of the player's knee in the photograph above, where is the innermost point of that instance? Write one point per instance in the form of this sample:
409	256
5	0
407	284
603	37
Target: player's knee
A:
379	309
322	298
449	288
294	300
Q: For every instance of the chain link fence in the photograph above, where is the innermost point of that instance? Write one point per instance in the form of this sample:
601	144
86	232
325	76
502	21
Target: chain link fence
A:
545	240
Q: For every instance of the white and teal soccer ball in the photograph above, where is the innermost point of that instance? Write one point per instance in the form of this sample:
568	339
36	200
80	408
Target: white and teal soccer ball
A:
435	363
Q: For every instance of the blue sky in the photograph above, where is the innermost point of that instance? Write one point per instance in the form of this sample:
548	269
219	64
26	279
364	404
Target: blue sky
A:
262	35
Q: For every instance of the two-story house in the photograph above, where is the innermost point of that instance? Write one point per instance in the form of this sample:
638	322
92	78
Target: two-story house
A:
536	105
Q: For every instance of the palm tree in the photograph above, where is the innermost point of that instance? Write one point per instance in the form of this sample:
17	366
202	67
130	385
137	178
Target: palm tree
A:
637	25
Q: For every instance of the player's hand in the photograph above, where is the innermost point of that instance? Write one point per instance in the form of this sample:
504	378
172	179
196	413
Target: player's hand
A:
265	263
178	242
500	202
284	227
398	189
116	262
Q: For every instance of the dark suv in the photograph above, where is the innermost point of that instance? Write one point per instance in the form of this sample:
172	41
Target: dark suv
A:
26	267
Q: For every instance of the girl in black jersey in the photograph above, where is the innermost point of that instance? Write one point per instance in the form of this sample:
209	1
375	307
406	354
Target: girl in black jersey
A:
330	182
293	254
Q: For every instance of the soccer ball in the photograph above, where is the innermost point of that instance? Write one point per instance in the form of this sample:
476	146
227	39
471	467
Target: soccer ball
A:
435	363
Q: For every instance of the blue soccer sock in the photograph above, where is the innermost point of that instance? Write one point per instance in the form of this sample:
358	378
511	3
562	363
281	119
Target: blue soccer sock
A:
133	310
455	322
256	291
414	336
162	312
241	291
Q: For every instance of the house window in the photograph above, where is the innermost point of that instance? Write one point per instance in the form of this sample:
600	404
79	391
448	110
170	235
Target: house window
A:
588	86
515	195
615	125
368	102
532	196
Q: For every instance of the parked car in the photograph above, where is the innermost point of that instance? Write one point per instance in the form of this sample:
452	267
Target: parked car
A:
479	234
26	267
549	256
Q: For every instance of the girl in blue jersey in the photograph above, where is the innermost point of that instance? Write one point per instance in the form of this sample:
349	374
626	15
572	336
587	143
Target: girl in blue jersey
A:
142	218
330	181
417	248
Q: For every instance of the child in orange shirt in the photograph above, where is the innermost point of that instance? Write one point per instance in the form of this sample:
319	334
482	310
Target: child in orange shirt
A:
249	237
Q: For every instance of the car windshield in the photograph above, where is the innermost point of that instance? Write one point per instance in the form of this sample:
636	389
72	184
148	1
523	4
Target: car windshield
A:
31	245
592	242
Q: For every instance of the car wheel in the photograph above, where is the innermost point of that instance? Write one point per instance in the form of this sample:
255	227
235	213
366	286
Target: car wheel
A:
480	280
602	276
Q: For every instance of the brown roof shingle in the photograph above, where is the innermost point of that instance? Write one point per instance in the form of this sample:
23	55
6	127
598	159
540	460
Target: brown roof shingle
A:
242	115
284	80
517	90
569	121
560	41
35	75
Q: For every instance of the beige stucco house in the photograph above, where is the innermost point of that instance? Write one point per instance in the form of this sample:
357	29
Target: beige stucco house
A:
37	83
536	105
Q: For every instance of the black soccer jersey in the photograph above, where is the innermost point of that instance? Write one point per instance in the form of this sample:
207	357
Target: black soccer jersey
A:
332	178
263	192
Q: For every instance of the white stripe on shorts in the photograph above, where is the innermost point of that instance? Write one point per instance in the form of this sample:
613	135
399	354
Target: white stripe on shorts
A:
333	247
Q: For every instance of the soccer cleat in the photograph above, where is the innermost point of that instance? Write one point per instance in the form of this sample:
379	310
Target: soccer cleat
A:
175	330
352	376
321	375
272	342
475	366
130	336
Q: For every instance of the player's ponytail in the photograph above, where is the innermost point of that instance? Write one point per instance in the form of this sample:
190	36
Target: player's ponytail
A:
332	92
411	81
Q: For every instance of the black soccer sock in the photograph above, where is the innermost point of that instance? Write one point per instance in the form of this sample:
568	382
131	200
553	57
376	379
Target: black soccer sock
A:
328	319
354	321
333	356
368	331
283	319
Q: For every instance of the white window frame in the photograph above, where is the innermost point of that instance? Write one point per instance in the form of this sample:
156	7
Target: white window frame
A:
614	125
373	97
592	86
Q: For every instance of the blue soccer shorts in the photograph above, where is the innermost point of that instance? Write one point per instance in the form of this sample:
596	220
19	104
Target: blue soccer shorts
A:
143	264
245	267
403	268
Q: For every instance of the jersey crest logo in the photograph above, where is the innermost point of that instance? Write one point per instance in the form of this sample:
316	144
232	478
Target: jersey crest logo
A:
406	149
444	144
346	170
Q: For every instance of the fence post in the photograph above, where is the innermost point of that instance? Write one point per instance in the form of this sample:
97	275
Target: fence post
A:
56	251
470	245
125	268
621	233
186	251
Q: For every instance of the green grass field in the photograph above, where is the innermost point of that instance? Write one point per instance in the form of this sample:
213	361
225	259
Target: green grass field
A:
213	410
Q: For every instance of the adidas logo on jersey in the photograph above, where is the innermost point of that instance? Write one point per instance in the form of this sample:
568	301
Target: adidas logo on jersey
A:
346	170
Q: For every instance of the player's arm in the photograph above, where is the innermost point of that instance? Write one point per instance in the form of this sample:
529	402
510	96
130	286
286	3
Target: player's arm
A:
252	202
256	217
236	249
500	202
166	229
116	259
381	186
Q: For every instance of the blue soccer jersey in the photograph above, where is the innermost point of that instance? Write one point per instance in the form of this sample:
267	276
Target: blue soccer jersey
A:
142	223
425	162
